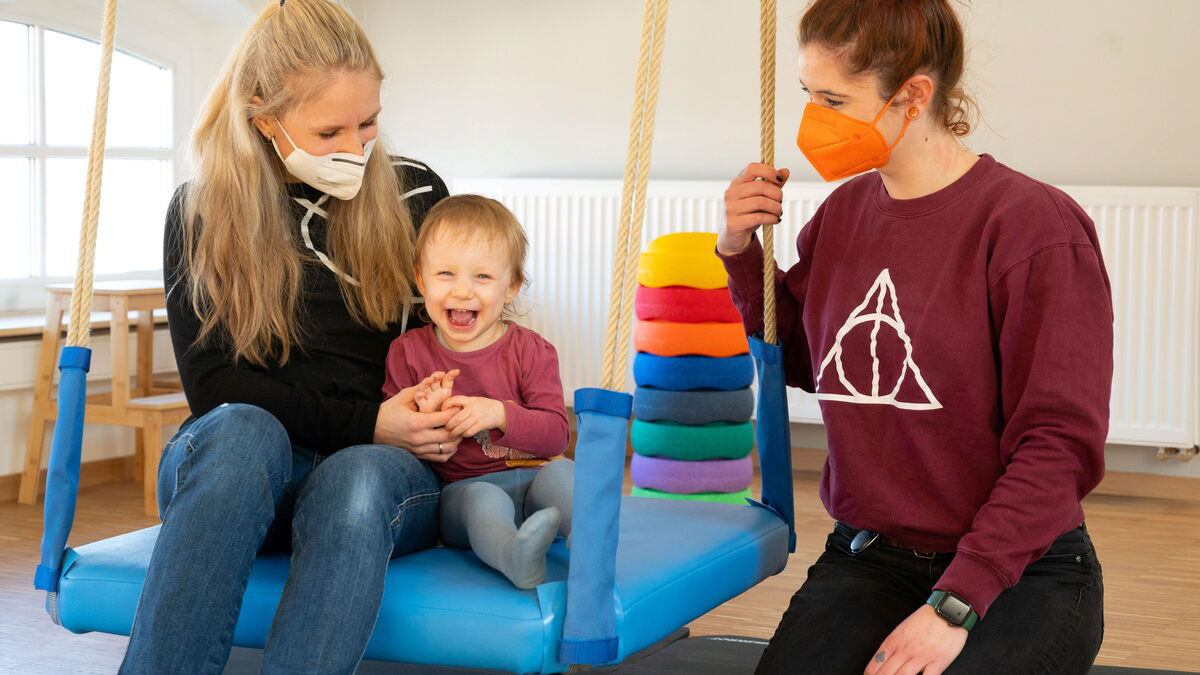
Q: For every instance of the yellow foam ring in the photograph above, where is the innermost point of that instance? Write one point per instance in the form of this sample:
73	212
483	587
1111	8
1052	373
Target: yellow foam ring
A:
682	259
666	338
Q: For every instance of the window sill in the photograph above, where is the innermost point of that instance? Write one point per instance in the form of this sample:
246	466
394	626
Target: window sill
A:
26	325
27	296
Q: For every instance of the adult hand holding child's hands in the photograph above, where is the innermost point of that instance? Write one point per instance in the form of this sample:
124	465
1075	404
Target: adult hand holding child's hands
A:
413	420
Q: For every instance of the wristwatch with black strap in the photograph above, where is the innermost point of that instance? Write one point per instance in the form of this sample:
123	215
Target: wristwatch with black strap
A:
951	607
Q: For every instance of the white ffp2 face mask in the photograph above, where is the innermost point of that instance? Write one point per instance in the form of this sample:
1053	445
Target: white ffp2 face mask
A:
338	174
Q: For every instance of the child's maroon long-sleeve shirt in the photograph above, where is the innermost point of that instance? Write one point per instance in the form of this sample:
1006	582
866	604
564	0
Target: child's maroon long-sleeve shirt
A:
520	369
960	345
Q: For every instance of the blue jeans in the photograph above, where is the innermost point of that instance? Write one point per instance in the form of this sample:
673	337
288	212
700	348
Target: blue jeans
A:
231	484
1051	622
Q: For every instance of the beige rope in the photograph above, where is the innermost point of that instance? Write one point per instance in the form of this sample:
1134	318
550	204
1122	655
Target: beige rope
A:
621	249
78	335
637	169
639	214
766	69
633	196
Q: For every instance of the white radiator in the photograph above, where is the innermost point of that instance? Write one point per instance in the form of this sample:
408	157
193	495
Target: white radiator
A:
1150	238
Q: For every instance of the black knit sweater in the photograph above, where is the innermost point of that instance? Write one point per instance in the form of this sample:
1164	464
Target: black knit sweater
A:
327	395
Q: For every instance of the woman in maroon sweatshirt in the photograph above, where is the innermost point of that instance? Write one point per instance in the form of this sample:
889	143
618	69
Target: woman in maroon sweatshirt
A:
954	319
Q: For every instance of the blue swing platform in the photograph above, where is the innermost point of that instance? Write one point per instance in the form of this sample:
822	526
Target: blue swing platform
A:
638	568
675	562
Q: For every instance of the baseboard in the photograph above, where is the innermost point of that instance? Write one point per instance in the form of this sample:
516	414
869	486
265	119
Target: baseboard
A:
96	472
804	460
808	460
1149	486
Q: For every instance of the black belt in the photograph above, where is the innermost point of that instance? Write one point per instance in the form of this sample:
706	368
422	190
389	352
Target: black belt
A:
861	540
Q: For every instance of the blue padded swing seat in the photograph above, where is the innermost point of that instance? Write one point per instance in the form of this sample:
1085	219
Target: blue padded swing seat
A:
675	562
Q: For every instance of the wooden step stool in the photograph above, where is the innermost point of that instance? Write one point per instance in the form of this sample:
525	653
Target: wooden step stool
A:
146	405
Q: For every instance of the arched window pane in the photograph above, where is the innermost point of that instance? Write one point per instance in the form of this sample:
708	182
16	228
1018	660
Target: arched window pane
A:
139	97
14	82
132	208
14	221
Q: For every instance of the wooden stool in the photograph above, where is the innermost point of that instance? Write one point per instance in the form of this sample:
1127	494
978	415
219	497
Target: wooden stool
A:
146	405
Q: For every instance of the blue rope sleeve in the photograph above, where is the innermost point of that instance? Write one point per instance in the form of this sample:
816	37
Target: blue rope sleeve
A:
773	435
62	476
590	625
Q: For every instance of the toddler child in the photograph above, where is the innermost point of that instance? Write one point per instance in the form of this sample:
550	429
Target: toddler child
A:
506	489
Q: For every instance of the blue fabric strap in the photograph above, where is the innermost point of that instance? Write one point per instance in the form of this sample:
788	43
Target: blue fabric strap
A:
613	404
45	579
62	474
587	651
590	626
75	357
773	434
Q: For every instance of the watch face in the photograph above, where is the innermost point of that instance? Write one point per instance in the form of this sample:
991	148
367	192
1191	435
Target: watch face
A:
953	609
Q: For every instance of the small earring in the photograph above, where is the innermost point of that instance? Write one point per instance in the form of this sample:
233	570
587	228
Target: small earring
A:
913	113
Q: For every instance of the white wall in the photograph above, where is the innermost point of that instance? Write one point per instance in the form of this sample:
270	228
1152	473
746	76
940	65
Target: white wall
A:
1074	91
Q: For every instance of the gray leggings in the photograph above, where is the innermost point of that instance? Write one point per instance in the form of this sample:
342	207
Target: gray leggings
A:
486	514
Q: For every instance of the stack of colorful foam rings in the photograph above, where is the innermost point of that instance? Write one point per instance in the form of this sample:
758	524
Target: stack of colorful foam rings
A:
691	434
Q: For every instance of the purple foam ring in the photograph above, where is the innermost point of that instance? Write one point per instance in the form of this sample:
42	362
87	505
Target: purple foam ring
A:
672	475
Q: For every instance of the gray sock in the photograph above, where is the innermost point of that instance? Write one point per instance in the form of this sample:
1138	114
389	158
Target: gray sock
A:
522	557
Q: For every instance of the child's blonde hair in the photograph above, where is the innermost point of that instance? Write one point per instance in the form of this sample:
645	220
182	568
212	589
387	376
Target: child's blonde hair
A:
475	217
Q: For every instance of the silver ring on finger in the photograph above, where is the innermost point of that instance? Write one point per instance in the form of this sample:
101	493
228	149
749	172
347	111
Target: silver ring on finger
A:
441	450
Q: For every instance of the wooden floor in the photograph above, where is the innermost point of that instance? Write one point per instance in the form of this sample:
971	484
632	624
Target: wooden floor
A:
1149	547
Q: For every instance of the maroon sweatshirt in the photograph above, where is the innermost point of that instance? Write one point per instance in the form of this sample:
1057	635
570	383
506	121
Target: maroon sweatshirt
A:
520	369
960	345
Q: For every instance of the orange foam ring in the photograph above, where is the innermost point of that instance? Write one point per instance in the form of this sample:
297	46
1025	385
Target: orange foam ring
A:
666	338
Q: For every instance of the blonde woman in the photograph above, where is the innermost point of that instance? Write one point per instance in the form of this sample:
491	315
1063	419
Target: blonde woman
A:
288	261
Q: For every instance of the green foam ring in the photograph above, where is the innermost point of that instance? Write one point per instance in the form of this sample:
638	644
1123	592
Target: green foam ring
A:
716	440
721	497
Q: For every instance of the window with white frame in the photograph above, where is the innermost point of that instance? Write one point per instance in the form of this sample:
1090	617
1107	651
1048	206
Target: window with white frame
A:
48	80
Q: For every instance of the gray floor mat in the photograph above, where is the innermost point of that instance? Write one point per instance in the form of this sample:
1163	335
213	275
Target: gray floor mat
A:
676	655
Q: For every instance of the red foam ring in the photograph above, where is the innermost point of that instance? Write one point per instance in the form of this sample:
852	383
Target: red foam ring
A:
681	304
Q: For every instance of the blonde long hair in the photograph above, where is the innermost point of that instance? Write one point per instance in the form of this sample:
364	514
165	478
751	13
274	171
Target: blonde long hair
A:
244	266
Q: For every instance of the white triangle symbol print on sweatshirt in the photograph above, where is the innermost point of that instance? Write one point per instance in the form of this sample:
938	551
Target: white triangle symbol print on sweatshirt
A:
886	310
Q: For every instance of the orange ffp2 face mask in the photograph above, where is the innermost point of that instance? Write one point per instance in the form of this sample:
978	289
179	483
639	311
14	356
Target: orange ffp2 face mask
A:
839	146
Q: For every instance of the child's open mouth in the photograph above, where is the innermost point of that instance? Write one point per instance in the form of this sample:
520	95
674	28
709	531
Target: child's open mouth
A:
462	319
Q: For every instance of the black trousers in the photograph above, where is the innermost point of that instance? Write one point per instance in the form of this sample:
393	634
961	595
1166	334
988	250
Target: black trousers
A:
1051	621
